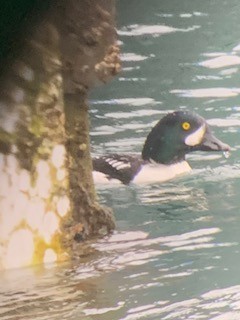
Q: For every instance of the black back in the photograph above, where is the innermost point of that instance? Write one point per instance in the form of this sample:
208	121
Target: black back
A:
121	167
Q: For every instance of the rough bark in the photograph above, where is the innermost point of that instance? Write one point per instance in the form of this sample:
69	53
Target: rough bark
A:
47	196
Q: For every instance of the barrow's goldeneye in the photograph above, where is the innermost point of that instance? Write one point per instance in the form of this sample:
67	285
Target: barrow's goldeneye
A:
163	154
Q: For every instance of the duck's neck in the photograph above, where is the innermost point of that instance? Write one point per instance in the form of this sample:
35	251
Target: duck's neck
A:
161	152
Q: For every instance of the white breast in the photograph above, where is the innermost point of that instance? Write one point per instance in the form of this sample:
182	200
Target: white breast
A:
154	172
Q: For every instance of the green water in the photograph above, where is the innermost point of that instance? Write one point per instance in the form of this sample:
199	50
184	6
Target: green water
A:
175	253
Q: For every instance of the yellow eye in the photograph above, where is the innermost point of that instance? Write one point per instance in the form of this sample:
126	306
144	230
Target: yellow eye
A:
186	126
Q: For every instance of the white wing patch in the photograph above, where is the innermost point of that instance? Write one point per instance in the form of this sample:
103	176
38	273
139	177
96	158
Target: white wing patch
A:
118	165
196	137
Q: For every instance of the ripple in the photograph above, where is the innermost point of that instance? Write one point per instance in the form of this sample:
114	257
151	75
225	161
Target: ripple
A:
136	114
236	48
175	242
228	316
213	54
208	92
221	304
222	61
170	196
219	122
135	102
33	298
139	30
222	173
154	30
96	311
185	15
130	56
228	72
183	308
65	294
125	144
105	130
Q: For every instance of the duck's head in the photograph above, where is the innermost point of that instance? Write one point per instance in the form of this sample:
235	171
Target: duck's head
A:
177	134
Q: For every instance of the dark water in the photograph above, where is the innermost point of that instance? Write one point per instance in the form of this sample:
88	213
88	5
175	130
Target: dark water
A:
175	253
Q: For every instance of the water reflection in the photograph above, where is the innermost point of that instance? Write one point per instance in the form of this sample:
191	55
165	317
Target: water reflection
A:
208	92
80	290
222	61
37	293
140	30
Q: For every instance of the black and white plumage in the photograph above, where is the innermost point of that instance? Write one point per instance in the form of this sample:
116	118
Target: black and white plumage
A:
120	167
164	151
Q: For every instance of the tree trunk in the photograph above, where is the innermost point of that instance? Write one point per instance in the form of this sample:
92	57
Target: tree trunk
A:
47	196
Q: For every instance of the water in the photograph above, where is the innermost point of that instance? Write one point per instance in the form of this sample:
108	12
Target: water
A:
175	253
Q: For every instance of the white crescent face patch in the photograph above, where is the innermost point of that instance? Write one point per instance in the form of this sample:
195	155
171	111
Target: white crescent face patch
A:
196	137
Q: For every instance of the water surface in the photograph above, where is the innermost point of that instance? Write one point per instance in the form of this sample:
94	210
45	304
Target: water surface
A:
175	253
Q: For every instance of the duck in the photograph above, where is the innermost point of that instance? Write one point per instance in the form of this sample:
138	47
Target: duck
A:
164	151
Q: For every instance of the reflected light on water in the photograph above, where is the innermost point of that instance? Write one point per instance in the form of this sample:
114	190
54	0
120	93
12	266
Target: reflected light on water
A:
222	61
153	30
208	93
139	30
